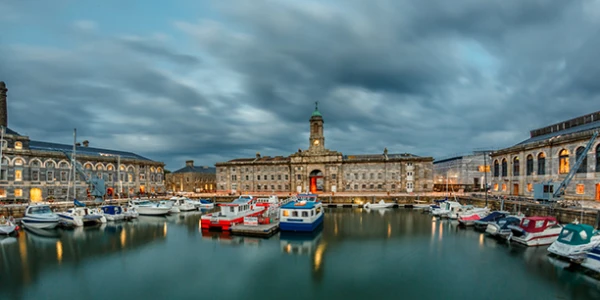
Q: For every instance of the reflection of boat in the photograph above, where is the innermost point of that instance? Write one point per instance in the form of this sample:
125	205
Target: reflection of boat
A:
380	204
147	208
300	243
7	226
40	216
304	214
79	216
574	241
232	213
42	233
536	231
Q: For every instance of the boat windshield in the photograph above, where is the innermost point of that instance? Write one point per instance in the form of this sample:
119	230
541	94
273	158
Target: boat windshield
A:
144	203
40	210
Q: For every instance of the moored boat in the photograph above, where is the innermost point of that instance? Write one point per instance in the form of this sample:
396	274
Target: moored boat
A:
493	217
231	213
499	229
574	241
535	231
380	204
468	217
302	215
446	208
182	204
147	208
40	216
112	212
80	216
592	259
7	226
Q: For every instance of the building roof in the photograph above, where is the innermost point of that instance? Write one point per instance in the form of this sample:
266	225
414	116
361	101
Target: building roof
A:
378	156
316	113
194	169
580	128
447	159
12	132
47	146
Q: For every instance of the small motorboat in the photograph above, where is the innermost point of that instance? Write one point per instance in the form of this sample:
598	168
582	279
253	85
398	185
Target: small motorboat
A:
469	216
147	208
113	212
380	204
446	208
40	216
7	226
574	241
80	216
535	231
202	204
493	217
130	212
499	229
182	204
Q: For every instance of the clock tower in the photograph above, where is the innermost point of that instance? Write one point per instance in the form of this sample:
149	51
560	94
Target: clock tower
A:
317	139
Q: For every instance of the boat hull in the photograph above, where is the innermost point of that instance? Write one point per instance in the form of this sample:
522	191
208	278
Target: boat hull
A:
152	211
592	260
575	253
301	226
533	240
40	223
210	222
7	229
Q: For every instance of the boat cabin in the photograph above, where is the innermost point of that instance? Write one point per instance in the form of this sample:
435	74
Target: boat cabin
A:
307	197
241	205
79	211
111	209
301	209
505	222
538	224
38	210
577	234
272	200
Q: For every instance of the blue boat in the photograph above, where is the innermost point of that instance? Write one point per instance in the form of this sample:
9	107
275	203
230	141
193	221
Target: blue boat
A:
493	217
112	212
305	214
592	259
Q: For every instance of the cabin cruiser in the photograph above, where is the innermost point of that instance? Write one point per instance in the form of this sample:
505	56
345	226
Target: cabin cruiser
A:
438	204
201	204
148	208
112	212
467	217
40	216
232	213
7	226
304	214
446	208
499	229
493	217
535	231
181	204
130	212
574	241
380	204
80	216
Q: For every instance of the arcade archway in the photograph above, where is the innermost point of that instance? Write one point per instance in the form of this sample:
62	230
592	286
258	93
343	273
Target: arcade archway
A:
317	183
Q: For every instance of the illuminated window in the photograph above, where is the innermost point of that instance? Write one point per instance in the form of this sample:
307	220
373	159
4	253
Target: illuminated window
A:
504	187
129	177
18	145
110	167
18	162
580	190
541	164
485	168
286	213
495	187
2	193
18	175
529	187
563	161
18	193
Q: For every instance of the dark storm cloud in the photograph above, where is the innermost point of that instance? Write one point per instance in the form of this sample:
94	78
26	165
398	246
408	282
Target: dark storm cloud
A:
425	77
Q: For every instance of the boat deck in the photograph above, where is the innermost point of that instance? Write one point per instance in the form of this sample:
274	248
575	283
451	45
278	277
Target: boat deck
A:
261	230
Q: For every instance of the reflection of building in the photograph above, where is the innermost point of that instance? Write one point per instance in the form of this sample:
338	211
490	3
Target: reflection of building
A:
35	170
322	170
466	172
192	179
548	155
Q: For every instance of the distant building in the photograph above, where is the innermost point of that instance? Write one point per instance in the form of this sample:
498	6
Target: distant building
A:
549	154
462	173
322	170
192	179
36	171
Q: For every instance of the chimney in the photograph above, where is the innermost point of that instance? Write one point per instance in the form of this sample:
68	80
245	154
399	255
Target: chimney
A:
189	163
257	155
3	106
86	143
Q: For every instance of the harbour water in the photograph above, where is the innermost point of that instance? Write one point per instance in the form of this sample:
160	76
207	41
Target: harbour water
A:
391	254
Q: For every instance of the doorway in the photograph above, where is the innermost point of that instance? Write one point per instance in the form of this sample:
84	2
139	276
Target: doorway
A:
597	191
35	194
516	189
316	181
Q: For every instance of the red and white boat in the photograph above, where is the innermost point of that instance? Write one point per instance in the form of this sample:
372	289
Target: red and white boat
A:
468	218
232	213
535	231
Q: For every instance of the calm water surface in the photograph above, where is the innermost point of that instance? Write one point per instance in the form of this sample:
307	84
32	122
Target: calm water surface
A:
389	254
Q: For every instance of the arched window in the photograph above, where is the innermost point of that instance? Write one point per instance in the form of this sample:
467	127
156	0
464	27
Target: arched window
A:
504	168
529	164
598	158
18	162
541	164
64	165
18	145
50	165
563	161
496	168
583	167
516	166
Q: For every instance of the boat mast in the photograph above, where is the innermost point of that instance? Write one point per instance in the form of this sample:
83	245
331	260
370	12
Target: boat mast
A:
73	162
1	148
119	175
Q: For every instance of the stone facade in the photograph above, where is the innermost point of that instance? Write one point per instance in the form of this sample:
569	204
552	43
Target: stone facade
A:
465	172
322	170
192	179
36	171
548	155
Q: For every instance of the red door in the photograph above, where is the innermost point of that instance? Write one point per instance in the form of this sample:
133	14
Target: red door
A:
313	185
597	191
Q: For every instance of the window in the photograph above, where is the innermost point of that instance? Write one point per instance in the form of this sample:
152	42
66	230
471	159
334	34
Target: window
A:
409	185
35	175
529	170
379	176
18	145
578	154
356	186
529	187
272	187
516	166
334	176
371	186
504	168
393	186
18	175
393	175
272	177
286	177
18	162
35	163
279	187
2	193
18	193
50	192
580	190
129	177
299	177
50	176
305	214
364	176
286	213
266	187
504	187
356	176
563	161
110	177
541	164
598	158
495	187
63	176
287	187
247	178
257	177
379	186
258	187
122	177
364	186
496	168
233	177
483	168
279	177
372	176
3	174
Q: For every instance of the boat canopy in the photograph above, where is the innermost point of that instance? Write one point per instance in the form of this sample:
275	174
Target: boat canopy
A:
204	201
504	222
300	205
537	224
576	234
239	201
495	215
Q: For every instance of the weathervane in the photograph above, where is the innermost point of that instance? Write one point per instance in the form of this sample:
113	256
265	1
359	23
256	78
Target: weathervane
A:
316	105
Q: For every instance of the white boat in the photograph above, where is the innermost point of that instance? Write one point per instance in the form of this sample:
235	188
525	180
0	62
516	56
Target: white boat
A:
182	204
380	204
499	229
147	208
535	231
202	204
130	212
446	208
40	216
592	259
112	212
80	216
574	241
469	216
7	226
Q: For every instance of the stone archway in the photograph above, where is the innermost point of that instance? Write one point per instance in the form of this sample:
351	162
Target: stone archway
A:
317	182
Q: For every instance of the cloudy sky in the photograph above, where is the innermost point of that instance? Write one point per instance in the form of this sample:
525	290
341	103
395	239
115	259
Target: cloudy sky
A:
217	80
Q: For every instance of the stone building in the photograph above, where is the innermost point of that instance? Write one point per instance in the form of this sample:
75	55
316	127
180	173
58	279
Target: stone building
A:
192	179
548	155
35	170
319	169
462	173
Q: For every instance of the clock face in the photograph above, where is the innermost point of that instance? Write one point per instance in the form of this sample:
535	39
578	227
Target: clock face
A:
316	142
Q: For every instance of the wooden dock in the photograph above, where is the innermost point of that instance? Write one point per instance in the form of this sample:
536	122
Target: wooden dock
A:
261	230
